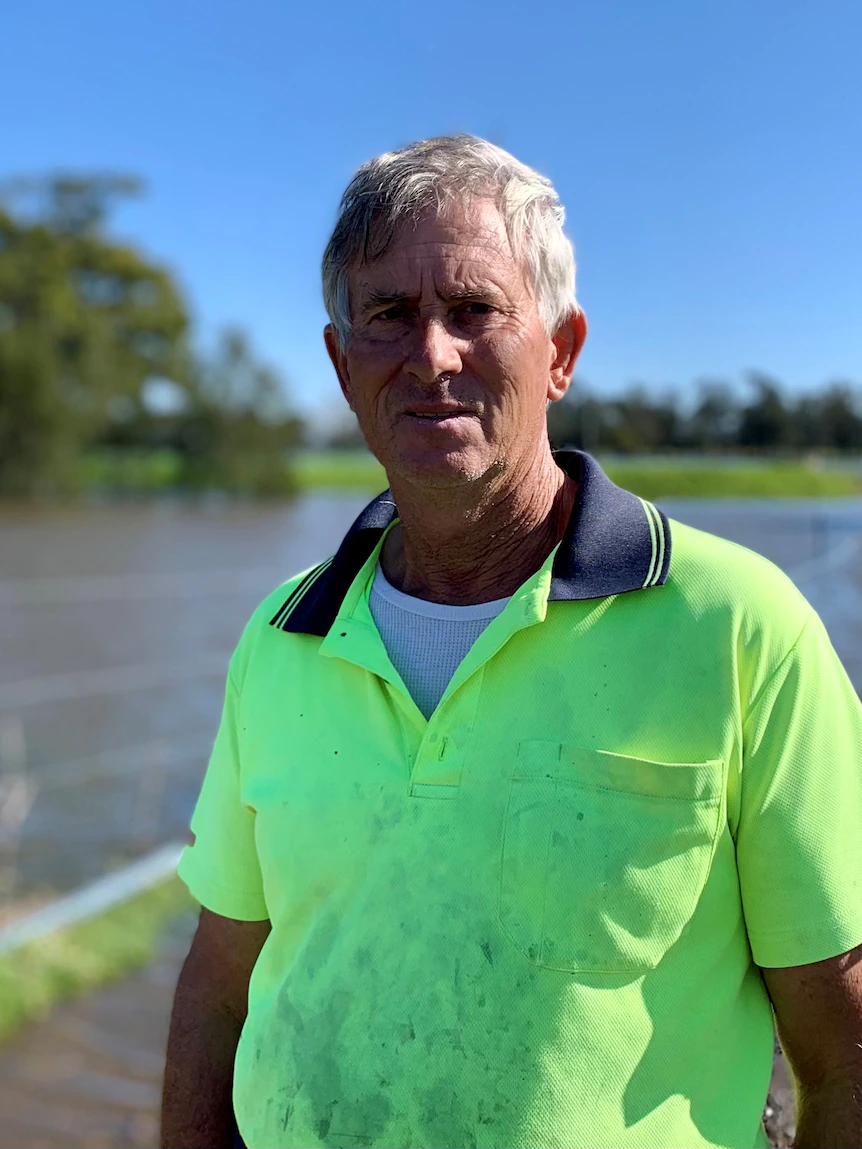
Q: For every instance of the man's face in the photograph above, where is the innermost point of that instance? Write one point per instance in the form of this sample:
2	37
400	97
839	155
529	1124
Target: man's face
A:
447	364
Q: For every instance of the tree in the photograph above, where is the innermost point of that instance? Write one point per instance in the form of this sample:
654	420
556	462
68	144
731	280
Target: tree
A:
714	423
238	430
842	418
83	320
830	419
582	420
626	423
642	424
765	422
69	203
91	330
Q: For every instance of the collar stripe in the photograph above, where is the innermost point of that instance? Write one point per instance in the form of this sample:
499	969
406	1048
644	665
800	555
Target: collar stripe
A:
284	612
658	574
657	534
652	535
659	566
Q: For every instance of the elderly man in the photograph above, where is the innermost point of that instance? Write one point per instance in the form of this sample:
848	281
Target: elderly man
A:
529	806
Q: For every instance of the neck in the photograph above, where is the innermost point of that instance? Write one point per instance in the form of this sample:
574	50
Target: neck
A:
478	542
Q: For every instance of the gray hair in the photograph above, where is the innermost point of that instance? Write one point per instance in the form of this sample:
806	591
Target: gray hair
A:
430	174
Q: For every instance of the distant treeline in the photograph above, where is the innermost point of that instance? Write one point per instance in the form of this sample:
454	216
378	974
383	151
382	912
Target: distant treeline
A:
764	420
96	359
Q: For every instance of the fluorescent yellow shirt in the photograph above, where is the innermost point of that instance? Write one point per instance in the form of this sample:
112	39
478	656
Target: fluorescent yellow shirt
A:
533	920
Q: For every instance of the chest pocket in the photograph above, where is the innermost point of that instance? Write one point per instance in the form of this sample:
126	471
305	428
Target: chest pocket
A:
604	856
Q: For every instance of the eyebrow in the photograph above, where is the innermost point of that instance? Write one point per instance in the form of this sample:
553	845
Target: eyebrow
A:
382	298
374	298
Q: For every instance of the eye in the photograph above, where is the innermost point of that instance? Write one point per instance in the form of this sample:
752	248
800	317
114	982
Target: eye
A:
476	307
396	311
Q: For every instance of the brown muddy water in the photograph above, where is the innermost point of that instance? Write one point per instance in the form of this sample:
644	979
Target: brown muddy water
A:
117	621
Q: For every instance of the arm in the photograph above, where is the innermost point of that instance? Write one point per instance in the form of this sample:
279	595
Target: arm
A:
209	1010
818	1012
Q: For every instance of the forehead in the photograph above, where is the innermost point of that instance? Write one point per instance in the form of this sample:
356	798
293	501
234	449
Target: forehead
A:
461	242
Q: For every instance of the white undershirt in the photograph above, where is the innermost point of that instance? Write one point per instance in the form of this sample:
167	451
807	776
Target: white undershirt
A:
426	641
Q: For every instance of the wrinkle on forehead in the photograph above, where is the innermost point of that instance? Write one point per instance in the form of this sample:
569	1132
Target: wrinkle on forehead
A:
463	254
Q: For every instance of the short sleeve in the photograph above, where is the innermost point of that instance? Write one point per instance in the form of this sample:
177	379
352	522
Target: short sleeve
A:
221	868
799	841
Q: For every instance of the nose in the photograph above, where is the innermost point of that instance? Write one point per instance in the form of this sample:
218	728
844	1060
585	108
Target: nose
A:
433	351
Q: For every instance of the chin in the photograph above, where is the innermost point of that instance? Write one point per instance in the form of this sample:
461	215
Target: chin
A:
437	470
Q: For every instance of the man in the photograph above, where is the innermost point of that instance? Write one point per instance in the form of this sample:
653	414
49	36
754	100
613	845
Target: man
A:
529	806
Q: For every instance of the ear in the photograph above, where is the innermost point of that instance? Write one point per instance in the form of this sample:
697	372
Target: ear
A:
339	362
567	343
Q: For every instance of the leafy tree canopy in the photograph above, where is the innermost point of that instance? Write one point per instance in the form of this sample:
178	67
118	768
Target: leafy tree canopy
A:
94	349
715	417
83	321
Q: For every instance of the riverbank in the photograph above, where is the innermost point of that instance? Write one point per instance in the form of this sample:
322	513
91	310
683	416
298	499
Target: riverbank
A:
36	977
89	1076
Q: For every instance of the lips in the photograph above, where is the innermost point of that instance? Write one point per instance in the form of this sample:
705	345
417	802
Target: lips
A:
438	412
438	416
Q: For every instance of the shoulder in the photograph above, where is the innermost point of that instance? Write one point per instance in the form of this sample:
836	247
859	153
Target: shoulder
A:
722	586
262	627
714	572
694	544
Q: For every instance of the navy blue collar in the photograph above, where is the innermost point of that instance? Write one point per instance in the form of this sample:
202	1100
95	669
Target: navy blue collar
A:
615	542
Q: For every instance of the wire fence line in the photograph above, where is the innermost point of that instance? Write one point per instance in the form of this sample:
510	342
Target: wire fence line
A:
124	761
94	898
61	590
109	680
147	765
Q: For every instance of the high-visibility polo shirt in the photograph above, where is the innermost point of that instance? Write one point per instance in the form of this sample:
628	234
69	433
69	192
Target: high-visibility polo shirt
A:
533	919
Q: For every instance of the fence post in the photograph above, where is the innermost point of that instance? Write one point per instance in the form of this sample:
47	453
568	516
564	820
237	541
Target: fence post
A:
17	795
820	534
151	789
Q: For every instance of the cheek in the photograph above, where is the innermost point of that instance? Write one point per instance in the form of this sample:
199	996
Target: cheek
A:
515	370
371	398
367	375
518	348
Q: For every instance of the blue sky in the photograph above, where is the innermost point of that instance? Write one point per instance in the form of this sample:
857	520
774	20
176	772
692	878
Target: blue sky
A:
709	156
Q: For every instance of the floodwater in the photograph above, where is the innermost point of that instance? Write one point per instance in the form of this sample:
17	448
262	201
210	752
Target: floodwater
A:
117	622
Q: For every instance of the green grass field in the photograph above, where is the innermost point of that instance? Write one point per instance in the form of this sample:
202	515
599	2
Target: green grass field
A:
358	470
37	976
339	470
777	480
130	471
156	472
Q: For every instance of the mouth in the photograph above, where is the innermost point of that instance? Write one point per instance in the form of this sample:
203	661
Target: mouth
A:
439	414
